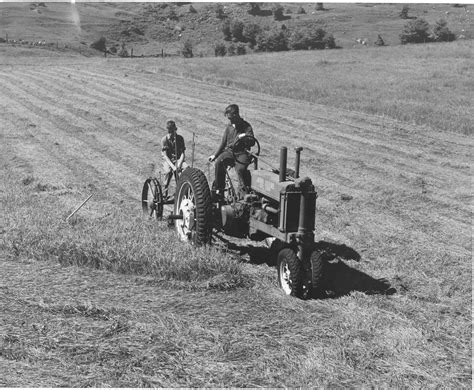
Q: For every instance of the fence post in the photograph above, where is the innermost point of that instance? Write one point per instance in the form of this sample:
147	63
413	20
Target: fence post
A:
131	52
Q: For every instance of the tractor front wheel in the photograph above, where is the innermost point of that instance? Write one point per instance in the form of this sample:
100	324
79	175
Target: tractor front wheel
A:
192	204
290	272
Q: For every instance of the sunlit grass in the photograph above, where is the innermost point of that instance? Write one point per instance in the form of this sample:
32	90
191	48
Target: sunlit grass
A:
428	84
125	241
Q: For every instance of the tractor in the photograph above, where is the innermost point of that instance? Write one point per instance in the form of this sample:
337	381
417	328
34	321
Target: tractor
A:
279	207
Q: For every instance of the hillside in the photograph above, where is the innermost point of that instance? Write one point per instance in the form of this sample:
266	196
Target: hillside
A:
149	28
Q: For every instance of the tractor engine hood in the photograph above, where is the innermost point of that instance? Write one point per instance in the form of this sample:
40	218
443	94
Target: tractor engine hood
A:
267	183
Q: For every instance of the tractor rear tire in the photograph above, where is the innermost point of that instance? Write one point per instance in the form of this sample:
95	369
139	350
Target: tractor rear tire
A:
193	203
317	273
290	272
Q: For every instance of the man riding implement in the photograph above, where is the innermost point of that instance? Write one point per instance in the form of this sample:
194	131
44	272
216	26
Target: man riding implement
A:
224	155
172	150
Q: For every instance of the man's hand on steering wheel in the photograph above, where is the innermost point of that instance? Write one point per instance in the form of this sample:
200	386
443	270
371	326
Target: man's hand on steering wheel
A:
242	144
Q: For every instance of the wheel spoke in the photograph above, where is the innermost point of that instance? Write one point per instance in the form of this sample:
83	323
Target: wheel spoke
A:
151	189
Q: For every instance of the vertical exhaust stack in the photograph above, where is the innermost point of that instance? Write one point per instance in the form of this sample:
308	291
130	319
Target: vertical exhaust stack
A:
297	161
283	157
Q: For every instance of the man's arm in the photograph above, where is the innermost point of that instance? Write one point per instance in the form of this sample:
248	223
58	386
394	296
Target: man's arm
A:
221	147
168	161
164	148
248	132
180	161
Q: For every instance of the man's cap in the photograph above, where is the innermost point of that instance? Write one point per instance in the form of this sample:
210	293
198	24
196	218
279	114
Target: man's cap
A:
232	109
170	125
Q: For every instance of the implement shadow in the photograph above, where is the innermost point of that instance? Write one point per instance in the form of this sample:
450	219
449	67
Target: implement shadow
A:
340	279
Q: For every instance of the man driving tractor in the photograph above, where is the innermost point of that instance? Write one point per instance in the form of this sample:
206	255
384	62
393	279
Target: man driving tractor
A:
224	155
172	150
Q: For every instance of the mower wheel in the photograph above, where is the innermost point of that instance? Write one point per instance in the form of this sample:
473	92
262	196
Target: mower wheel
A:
152	199
192	203
290	272
317	274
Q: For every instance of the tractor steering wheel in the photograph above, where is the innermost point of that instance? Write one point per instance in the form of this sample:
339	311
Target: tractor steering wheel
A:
239	142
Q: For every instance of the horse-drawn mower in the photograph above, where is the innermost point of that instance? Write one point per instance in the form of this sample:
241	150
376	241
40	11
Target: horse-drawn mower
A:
279	206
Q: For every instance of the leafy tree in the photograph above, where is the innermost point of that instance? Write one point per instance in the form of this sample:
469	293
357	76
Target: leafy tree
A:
237	28
415	31
250	33
278	12
442	33
276	40
254	8
319	7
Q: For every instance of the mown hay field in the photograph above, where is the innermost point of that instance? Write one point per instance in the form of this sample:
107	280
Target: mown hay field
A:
110	298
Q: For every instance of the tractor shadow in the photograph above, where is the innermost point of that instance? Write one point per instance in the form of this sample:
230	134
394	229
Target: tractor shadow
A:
340	278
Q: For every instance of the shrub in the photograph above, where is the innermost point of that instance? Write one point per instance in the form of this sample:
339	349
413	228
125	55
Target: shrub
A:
300	10
442	33
278	12
250	33
123	51
220	50
319	7
99	44
379	41
415	31
220	13
329	42
187	49
241	50
305	39
404	12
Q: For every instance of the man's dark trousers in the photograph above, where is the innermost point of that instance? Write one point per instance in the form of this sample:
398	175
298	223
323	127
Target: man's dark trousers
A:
225	159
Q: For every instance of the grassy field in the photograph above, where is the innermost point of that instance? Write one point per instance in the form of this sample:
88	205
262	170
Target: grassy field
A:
111	299
428	85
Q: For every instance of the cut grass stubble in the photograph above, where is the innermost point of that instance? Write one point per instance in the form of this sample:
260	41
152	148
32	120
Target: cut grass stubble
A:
124	241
